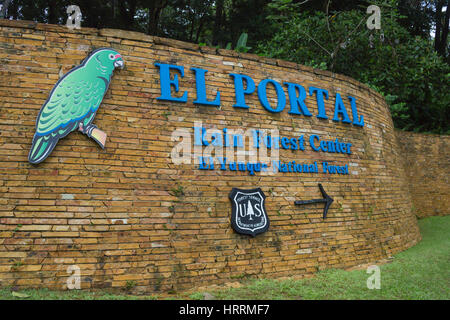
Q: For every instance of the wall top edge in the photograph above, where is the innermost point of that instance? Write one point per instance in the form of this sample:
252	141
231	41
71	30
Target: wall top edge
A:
421	134
142	37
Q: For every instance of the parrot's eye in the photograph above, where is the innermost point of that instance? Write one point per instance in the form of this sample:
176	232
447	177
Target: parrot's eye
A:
111	56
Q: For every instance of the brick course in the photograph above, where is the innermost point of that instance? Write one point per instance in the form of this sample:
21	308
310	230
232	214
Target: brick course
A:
427	166
114	212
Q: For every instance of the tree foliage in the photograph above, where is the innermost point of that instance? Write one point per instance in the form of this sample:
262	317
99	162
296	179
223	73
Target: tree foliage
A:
411	75
403	60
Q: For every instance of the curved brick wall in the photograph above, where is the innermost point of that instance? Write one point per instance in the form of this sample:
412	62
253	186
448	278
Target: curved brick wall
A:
127	213
427	167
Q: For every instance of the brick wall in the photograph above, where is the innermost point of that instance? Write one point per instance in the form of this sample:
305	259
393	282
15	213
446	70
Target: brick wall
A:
127	214
427	167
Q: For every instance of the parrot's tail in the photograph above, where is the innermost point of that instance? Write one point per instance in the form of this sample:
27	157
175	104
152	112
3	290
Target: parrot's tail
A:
41	147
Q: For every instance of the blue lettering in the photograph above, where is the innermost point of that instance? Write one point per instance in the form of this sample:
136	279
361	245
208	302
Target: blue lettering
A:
262	95
201	89
357	122
297	100
203	165
217	136
250	169
294	145
239	90
339	108
276	165
311	142
320	94
285	143
301	143
167	83
223	162
256	138
226	142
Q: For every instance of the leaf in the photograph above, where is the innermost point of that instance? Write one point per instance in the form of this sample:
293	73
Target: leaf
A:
242	42
20	295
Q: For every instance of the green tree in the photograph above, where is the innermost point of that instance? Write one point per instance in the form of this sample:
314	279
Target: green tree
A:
403	60
404	68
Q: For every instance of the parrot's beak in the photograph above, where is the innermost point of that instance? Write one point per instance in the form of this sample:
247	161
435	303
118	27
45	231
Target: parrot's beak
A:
119	64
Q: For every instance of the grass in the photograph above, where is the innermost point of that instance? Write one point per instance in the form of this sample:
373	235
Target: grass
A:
45	294
421	272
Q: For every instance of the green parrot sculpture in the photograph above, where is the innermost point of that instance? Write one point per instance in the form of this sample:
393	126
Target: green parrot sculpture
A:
73	102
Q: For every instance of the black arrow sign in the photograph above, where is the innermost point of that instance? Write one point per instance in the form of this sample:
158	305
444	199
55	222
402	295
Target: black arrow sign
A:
326	199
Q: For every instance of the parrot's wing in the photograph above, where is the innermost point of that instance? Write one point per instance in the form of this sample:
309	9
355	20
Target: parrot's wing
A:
73	98
70	101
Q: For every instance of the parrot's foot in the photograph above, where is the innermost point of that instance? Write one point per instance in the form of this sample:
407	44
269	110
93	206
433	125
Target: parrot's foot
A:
93	132
87	130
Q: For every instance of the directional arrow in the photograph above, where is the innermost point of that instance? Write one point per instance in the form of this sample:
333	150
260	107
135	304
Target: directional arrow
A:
326	199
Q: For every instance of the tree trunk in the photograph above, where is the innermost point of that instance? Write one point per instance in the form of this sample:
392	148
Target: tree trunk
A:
217	22
127	16
191	33
444	35
52	17
4	11
200	27
437	36
154	11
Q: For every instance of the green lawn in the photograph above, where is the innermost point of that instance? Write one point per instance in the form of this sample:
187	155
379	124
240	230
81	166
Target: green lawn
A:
421	272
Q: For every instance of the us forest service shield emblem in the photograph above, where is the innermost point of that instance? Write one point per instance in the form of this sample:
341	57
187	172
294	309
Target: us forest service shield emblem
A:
248	214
